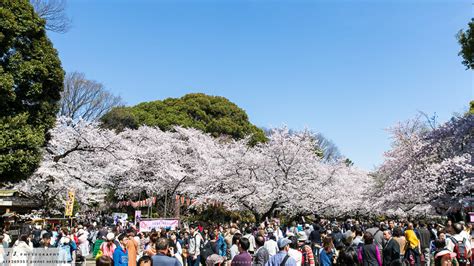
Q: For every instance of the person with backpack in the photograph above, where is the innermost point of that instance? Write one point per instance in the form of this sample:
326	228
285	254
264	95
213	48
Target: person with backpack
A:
209	249
348	256
98	242
377	233
442	255
458	244
282	258
196	243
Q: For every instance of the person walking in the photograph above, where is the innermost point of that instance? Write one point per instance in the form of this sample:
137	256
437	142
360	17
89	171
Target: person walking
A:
306	251
282	258
369	253
271	244
262	255
459	244
120	256
244	258
391	250
326	253
161	257
251	238
107	248
195	242
400	238
412	253
425	240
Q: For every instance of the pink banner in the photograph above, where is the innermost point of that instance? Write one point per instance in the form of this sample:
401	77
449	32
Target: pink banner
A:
146	226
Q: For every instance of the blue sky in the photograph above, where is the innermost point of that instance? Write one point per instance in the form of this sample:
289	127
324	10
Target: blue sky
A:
348	69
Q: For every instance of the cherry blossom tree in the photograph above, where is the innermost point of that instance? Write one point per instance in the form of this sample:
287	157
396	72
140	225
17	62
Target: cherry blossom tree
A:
285	174
164	161
428	167
79	156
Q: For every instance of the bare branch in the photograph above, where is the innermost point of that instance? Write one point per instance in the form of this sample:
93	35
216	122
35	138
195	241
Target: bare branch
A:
85	98
54	12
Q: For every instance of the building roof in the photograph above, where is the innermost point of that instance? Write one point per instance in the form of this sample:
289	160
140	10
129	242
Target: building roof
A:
7	193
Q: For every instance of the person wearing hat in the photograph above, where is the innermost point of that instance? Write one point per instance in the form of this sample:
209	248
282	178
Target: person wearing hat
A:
293	251
108	247
306	251
282	257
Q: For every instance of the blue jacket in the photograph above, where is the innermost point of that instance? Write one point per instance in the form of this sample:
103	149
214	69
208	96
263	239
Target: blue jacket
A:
120	257
325	259
163	260
221	246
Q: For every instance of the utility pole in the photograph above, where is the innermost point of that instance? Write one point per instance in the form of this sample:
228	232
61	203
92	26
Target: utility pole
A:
166	201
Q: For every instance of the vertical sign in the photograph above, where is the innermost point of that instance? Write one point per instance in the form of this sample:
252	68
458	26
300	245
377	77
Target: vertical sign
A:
138	216
69	203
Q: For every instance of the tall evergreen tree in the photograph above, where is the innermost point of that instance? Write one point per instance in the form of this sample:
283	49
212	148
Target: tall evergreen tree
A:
31	80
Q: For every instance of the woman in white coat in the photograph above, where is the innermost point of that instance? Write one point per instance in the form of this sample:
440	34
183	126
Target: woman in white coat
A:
82	237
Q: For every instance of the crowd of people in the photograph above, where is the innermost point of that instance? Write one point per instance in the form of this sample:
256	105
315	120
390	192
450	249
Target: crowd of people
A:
322	242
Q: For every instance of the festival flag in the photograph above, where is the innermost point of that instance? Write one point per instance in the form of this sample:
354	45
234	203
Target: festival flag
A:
188	202
182	200
69	203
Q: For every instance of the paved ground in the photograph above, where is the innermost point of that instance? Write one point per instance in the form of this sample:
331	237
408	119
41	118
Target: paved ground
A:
89	262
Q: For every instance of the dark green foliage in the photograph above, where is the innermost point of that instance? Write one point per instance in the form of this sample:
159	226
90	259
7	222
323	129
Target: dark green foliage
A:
31	79
211	114
466	40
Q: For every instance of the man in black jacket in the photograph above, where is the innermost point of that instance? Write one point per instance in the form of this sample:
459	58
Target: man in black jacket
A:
425	238
391	250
